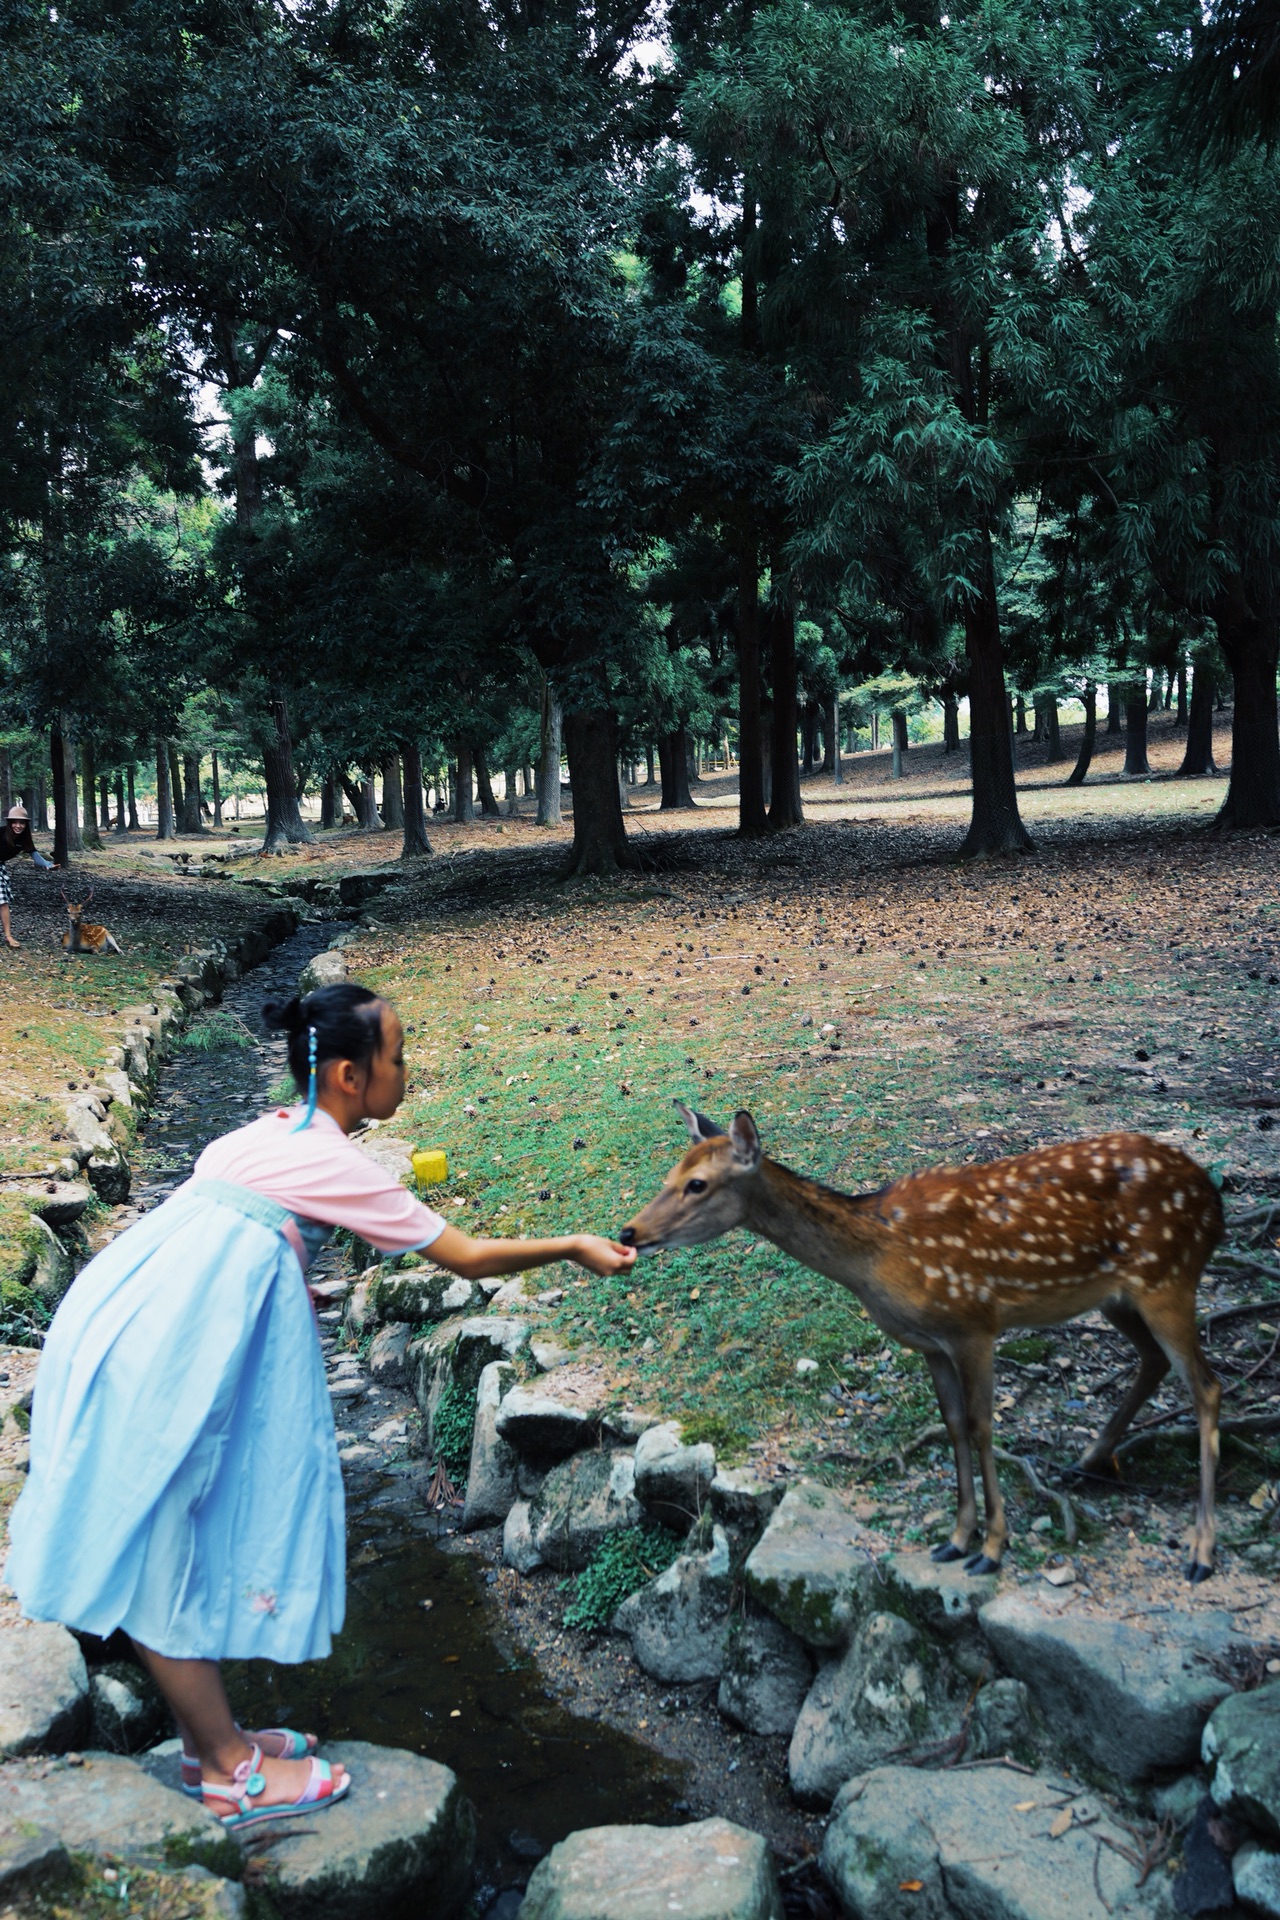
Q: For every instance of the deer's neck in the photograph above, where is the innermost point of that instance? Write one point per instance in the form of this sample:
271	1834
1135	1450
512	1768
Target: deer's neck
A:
834	1233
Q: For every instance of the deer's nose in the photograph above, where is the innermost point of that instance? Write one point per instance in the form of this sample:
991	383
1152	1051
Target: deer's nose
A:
627	1237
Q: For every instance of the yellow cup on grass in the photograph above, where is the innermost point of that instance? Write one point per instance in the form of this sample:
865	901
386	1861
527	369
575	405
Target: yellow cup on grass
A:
430	1166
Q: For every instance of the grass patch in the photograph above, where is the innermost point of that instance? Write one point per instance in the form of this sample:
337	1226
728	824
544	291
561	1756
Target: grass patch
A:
729	1439
452	1428
217	1033
621	1565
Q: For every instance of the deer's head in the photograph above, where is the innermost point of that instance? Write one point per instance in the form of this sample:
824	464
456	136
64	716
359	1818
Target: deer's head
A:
705	1194
76	908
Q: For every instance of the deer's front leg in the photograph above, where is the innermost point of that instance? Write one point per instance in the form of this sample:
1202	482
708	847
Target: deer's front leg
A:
946	1384
974	1364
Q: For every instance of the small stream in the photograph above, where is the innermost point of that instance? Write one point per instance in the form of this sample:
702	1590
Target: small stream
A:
423	1661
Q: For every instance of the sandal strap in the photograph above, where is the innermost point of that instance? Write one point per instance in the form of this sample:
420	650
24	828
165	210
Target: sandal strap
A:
245	1785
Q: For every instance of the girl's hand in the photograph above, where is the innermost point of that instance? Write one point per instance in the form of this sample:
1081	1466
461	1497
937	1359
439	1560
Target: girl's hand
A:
602	1256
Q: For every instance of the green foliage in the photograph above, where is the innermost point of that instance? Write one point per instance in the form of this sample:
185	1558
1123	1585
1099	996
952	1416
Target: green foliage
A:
622	1564
217	1033
452	1428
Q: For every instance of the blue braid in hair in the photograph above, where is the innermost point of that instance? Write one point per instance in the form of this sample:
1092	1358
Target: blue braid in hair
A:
313	1084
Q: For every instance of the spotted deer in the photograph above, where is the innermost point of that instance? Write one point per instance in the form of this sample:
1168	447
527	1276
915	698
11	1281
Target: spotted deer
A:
85	936
945	1260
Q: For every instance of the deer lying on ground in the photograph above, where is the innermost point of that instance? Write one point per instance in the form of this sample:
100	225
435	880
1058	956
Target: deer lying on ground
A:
946	1260
85	936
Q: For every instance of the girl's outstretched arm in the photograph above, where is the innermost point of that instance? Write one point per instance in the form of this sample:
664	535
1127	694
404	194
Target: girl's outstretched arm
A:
485	1259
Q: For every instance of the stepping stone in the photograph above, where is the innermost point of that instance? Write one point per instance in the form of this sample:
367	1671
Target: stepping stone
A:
939	1596
812	1568
1242	1745
109	1804
44	1689
908	1844
402	1840
711	1870
1133	1700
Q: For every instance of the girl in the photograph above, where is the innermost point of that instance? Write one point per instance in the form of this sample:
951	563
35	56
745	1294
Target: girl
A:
15	839
184	1479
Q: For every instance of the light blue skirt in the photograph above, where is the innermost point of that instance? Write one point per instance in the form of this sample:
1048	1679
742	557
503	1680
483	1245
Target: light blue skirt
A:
184	1479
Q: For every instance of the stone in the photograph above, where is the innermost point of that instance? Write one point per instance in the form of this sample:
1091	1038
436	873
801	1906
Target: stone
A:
323	970
740	1498
767	1674
128	1710
44	1689
625	1425
455	1354
876	1699
540	1428
358	1311
677	1624
393	1156
1242	1745
423	1294
518	1549
939	1597
387	1352
1255	1873
509	1295
354	889
910	1844
549	1354
710	1870
1131	1699
812	1568
1003	1722
1176	1801
62	1207
1203	1884
492	1477
109	1804
404	1839
30	1856
579	1502
53	1270
672	1480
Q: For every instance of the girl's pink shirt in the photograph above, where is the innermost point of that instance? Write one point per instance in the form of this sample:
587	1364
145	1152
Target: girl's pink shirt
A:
322	1175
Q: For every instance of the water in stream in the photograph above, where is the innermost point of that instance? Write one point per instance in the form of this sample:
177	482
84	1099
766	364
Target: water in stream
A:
437	1678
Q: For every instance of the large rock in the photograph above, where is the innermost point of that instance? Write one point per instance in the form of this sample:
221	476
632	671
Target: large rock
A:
740	1498
454	1355
422	1294
44	1689
518	1549
323	970
354	889
939	1597
711	1870
579	1502
109	1804
387	1356
128	1710
678	1623
1133	1700
402	1841
493	1475
1242	1745
767	1673
812	1568
1255	1873
908	1844
1003	1723
878	1699
543	1429
62	1207
53	1269
672	1480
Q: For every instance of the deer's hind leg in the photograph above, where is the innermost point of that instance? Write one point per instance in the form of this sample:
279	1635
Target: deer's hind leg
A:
1153	1365
1170	1313
951	1401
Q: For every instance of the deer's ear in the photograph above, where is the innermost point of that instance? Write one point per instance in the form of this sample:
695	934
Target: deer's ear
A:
700	1128
747	1150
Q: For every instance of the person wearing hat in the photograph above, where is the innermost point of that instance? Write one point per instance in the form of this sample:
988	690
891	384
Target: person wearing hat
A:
15	839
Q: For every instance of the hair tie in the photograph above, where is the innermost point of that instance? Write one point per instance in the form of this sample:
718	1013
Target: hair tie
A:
313	1085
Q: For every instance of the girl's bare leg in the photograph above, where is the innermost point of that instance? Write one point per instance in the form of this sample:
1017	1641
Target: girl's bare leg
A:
198	1703
8	931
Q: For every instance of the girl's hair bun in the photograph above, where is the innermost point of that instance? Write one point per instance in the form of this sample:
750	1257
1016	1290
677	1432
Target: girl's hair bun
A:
284	1013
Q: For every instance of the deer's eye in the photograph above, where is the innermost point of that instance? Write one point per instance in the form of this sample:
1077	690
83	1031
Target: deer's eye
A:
695	1186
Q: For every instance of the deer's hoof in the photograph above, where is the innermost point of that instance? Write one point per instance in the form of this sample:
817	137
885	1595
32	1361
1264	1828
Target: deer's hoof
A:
1197	1572
947	1551
980	1563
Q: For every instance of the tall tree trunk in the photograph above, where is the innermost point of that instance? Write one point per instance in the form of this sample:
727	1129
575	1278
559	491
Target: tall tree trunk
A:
351	793
392	795
1251	643
104	801
752	817
191	820
1198	758
509	775
370	818
130	778
1019	714
285	824
692	772
785	809
833	728
464	806
66	823
1115	700
550	751
950	722
175	784
166	826
648	762
488	805
1180	719
415	817
1155	699
1037	731
121	816
996	826
599	836
89	792
674	765
216	787
1135	729
900	740
6	782
1052	731
809	738
1088	738
329	809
